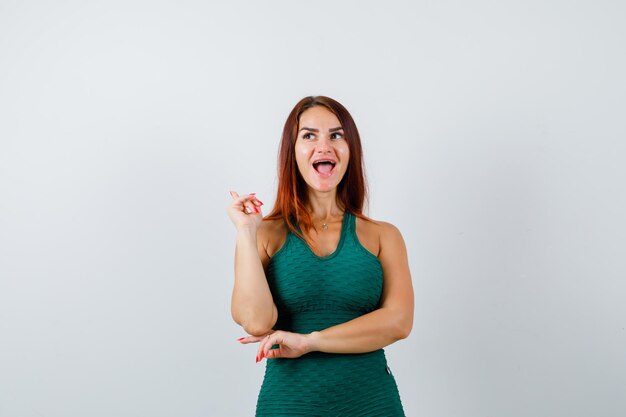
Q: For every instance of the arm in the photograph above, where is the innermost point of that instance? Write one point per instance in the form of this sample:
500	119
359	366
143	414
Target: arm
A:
252	305
391	322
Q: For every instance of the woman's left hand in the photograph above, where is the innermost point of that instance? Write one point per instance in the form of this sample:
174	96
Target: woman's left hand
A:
290	345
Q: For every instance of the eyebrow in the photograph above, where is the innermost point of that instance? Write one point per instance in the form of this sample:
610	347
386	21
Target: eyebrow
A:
334	129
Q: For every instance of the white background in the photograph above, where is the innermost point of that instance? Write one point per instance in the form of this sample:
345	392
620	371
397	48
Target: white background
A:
494	138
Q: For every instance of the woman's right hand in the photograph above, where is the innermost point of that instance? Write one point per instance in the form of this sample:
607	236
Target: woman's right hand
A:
245	211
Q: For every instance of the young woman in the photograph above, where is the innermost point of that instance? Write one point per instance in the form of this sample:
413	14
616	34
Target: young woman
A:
321	287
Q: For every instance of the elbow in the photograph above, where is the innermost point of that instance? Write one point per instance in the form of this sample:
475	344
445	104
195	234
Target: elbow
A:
404	332
256	325
403	327
256	329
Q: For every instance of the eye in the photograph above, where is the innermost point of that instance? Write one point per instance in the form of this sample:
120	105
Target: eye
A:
307	136
336	135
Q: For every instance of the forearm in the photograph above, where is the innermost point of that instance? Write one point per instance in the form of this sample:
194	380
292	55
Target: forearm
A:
366	333
252	305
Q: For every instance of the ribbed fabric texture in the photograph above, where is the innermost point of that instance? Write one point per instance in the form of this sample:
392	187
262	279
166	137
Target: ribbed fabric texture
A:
314	293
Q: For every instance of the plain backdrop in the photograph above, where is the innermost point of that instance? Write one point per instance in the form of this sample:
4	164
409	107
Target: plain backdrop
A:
494	136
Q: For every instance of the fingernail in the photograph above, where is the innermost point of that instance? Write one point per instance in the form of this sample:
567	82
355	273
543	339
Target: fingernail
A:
260	201
257	359
252	194
257	210
240	339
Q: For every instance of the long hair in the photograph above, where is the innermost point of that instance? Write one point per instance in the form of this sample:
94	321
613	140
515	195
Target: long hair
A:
292	196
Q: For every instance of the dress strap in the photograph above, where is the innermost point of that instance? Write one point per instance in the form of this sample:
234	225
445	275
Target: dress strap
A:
351	229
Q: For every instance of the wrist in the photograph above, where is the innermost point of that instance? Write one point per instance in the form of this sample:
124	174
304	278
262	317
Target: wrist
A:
313	341
246	232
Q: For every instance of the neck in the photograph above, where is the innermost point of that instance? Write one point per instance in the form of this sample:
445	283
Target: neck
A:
323	205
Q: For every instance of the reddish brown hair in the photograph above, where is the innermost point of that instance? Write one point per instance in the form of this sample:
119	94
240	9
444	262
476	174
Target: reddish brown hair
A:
292	196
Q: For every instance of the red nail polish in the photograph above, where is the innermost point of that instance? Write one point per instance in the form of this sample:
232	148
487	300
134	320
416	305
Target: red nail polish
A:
260	201
256	210
257	359
240	339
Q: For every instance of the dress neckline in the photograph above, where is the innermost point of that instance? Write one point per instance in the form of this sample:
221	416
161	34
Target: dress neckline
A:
342	238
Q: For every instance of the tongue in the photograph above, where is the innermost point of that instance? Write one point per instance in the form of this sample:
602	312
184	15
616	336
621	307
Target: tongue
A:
324	167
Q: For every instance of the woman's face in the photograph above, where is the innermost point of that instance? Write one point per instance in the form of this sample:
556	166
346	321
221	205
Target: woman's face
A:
322	153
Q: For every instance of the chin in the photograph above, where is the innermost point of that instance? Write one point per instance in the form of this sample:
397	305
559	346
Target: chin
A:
323	188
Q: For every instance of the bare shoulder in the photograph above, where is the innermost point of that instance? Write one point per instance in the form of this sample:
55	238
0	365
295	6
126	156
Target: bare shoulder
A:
388	231
271	234
374	235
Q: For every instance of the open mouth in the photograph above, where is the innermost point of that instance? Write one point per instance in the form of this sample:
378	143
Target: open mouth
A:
324	168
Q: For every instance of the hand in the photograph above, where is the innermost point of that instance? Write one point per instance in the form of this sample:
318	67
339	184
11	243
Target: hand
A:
290	345
245	210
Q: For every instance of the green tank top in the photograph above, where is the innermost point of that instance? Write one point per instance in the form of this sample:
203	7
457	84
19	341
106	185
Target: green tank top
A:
312	293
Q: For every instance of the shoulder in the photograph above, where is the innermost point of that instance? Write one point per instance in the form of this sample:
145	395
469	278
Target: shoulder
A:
388	231
270	225
393	251
390	238
376	235
383	229
394	258
271	235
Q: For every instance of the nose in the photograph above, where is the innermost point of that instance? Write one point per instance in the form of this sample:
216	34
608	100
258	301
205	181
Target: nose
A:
323	145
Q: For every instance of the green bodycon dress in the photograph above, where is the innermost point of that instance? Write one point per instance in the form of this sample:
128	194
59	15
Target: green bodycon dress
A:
314	293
